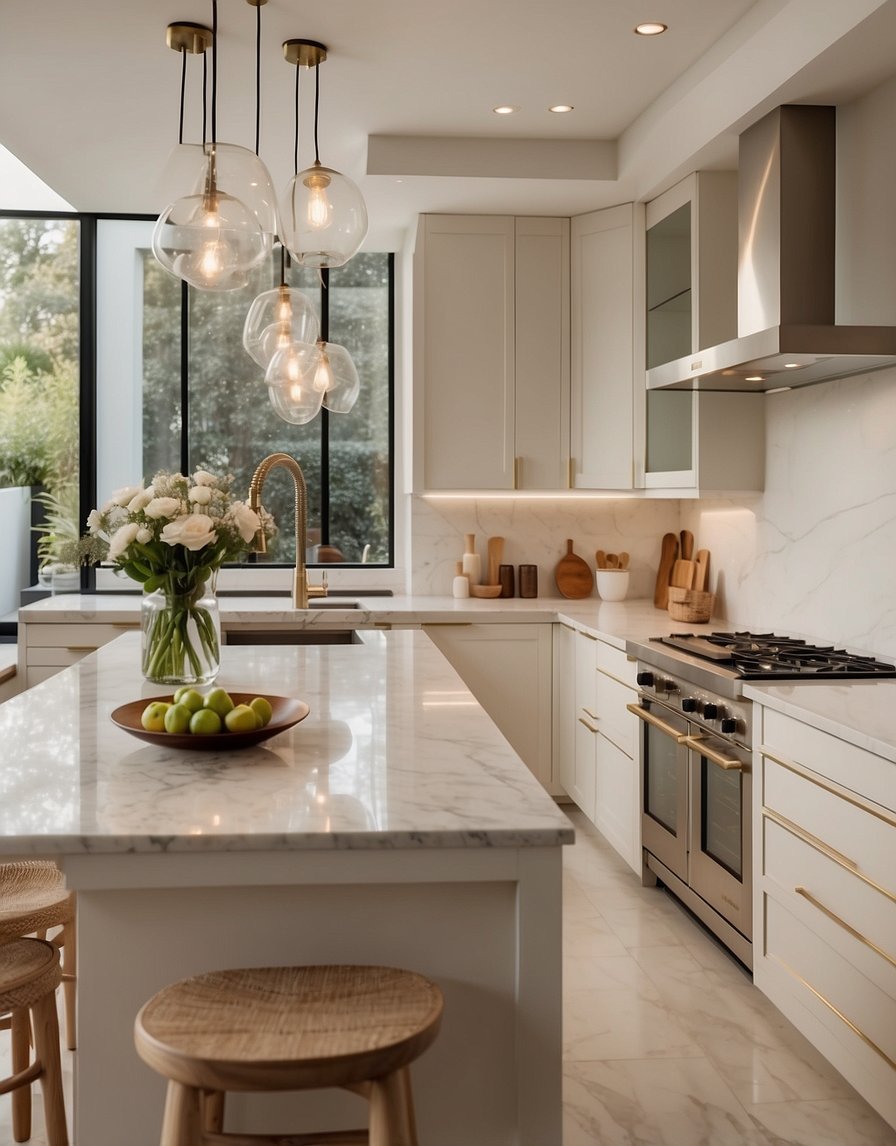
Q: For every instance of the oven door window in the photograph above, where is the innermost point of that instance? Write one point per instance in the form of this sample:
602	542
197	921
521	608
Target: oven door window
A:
663	779
721	816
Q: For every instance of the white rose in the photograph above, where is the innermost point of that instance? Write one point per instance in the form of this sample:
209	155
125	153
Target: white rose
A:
121	539
193	531
245	519
124	495
161	507
144	535
203	477
201	494
94	521
140	500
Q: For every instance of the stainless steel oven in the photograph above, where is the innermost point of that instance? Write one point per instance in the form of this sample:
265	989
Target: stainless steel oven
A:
696	748
695	817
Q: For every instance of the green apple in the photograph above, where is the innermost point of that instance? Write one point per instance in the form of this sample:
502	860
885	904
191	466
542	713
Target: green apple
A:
153	716
189	697
177	718
205	722
261	706
242	718
218	700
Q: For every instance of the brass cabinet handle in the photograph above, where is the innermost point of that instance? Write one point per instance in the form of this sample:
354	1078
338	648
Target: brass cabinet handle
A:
590	728
826	850
570	473
830	786
649	718
807	895
729	763
855	1030
517	472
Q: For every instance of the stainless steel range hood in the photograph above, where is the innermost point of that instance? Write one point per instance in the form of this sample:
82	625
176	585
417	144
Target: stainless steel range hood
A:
785	275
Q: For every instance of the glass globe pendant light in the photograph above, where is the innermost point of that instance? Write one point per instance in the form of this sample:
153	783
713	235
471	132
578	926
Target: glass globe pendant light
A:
323	214
290	381
336	377
278	318
212	238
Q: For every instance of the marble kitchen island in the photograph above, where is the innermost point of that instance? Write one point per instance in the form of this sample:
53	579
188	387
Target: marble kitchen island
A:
393	825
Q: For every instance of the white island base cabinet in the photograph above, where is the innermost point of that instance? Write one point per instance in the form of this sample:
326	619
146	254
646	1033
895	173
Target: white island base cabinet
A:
825	898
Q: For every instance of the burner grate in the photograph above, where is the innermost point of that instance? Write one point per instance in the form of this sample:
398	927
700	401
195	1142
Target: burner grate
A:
769	656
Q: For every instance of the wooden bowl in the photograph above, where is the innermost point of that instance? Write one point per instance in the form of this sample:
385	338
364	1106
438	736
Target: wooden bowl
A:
485	590
691	605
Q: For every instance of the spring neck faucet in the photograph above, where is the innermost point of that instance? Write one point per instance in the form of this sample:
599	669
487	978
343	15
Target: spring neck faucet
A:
300	581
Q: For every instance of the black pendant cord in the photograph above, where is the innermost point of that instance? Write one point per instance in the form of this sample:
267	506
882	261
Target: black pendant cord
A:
183	88
316	110
257	77
214	72
204	97
282	265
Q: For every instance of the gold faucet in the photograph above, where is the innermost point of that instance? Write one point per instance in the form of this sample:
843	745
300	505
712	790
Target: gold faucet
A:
301	590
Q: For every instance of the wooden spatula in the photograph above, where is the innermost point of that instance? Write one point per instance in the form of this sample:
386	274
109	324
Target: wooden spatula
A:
667	559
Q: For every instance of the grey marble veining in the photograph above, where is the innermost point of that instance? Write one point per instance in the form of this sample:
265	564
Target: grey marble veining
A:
396	753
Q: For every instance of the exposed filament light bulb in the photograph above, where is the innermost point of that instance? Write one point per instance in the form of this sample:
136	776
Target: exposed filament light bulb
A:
318	208
323	375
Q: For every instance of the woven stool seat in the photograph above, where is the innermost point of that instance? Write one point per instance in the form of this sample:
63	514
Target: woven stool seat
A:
290	1028
29	976
33	900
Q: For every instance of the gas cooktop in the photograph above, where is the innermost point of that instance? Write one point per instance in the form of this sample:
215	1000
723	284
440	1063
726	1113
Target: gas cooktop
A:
768	656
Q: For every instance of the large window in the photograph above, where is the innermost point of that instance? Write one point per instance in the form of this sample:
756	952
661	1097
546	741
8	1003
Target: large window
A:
177	389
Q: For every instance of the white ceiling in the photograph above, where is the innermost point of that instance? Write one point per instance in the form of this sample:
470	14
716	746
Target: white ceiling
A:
89	93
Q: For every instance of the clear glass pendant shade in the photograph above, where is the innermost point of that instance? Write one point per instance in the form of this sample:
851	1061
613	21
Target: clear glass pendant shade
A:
277	318
289	379
213	238
336	377
239	172
324	218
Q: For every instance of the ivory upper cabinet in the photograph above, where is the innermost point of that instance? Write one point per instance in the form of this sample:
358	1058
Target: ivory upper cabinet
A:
607	348
699	441
491	353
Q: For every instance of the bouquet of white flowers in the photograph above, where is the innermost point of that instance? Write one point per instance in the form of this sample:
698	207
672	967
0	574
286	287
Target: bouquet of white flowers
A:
172	536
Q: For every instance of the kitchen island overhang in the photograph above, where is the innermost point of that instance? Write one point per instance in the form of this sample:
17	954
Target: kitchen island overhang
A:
393	825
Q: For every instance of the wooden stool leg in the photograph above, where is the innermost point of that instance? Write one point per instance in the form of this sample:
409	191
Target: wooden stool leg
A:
213	1110
46	1046
391	1111
69	981
20	1024
181	1123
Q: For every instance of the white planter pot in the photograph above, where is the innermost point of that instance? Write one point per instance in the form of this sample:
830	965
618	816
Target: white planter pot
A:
15	529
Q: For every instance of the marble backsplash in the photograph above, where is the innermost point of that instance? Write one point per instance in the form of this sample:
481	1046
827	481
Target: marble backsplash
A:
814	554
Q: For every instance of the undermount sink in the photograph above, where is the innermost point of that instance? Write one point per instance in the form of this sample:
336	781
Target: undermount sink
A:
333	603
312	636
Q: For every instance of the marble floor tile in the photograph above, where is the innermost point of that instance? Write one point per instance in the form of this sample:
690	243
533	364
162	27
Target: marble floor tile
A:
849	1122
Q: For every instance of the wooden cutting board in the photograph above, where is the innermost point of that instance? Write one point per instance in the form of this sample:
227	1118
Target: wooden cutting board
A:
667	560
682	575
495	552
701	572
573	576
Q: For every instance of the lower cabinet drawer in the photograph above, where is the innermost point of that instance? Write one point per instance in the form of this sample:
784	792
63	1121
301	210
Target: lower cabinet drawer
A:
616	722
840	997
58	657
87	636
854	917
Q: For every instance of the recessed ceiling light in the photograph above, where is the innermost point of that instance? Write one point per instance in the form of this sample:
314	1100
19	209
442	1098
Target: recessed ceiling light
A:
650	28
754	378
792	365
559	108
779	390
505	109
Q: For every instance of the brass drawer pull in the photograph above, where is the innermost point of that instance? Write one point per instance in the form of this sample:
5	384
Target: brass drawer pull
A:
649	718
590	728
855	1030
807	895
830	786
826	850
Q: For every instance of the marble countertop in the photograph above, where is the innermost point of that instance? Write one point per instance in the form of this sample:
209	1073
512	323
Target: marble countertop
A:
396	753
859	712
615	621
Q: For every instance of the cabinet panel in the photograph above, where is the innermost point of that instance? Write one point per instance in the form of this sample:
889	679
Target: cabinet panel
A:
508	668
616	800
565	707
607	350
464	332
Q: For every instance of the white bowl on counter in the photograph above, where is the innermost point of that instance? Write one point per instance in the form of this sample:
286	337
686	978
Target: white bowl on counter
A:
612	584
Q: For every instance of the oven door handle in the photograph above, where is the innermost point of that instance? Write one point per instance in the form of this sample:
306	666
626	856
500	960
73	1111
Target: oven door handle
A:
729	763
649	718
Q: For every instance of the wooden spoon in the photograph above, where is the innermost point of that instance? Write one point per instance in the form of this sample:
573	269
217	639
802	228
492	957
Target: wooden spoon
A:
623	560
612	561
601	558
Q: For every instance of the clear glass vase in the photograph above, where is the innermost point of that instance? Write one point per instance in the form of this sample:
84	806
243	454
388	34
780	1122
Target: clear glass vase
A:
181	634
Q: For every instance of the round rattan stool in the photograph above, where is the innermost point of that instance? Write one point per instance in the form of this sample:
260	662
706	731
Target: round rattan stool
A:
29	976
33	901
289	1028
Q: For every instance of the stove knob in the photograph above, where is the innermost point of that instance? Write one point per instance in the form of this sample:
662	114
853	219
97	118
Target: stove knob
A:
667	686
710	711
689	704
645	678
728	725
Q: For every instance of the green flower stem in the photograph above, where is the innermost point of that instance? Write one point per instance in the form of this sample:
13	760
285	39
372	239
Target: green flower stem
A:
181	639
